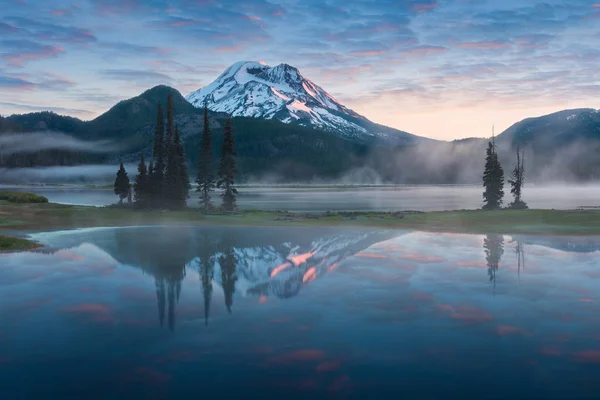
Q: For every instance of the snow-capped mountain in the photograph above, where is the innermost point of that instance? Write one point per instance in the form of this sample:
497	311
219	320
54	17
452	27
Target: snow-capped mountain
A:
252	89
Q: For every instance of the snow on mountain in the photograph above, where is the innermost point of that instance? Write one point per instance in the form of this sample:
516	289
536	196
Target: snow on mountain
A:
252	89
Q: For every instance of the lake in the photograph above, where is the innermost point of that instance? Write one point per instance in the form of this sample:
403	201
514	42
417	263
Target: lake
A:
376	198
191	312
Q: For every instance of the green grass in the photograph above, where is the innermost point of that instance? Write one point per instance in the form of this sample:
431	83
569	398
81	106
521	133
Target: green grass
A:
21	197
50	216
8	243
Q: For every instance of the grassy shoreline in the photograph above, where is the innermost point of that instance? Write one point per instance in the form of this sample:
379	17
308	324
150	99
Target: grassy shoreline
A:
50	216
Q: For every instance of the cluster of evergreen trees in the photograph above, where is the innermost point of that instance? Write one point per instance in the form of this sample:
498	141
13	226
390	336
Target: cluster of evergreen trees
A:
165	184
493	180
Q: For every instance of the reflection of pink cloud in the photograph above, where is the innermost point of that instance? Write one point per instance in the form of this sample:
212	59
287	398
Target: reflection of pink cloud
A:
550	352
181	356
371	255
134	293
504	330
466	314
98	312
422	258
328	366
340	383
469	263
262	299
150	376
422	296
587	357
305	355
68	255
586	300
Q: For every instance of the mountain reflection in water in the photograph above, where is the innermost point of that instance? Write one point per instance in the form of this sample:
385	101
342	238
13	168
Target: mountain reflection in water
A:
154	312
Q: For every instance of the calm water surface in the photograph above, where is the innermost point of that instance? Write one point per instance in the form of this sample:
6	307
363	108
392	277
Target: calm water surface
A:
162	312
381	198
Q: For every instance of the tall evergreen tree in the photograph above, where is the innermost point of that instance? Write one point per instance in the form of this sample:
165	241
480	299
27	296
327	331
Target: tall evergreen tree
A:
170	123
151	185
517	181
171	175
205	178
183	178
227	169
122	185
141	186
493	179
158	169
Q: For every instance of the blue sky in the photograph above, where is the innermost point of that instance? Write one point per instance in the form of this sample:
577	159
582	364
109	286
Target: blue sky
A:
438	68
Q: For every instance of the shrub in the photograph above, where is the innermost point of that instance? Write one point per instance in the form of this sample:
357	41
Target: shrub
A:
22	197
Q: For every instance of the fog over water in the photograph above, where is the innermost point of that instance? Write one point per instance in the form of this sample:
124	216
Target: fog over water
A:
365	198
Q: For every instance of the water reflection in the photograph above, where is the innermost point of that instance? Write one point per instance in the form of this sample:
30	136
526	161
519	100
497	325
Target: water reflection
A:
299	312
494	249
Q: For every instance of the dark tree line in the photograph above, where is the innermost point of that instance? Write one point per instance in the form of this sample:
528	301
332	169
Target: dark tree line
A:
165	182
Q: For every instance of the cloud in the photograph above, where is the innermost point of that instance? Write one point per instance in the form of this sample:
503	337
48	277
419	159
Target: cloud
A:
490	45
15	83
23	51
138	76
32	29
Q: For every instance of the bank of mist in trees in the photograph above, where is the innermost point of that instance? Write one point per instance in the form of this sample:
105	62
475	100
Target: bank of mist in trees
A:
164	183
493	179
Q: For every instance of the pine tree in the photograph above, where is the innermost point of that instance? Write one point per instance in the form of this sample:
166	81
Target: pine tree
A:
517	181
227	169
122	185
141	185
183	178
205	178
158	169
151	188
170	126
171	176
493	179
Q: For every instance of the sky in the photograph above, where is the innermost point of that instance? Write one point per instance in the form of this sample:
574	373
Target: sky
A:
444	69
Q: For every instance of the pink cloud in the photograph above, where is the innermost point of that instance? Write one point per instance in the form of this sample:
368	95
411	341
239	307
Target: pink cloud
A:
424	7
367	53
491	45
19	59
